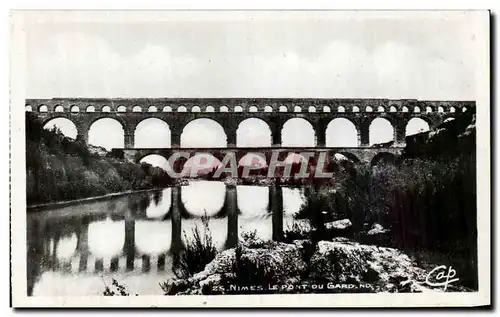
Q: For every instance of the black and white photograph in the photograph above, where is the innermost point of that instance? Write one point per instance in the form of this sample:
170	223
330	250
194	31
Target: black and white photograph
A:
281	158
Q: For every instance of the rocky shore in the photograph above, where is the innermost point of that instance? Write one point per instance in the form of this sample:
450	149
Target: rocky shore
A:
339	265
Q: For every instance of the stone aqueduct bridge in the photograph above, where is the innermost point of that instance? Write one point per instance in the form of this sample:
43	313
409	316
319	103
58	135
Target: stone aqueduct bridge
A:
230	112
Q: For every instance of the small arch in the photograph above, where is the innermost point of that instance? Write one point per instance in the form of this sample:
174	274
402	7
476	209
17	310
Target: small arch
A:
196	109
43	108
340	109
238	109
452	109
75	109
167	109
121	109
428	109
393	109
59	108
383	158
405	109
355	109
209	109
380	109
297	109
464	109
90	109
449	119
440	109
152	109
106	109
223	109
326	109
253	109
268	109
416	109
283	109
181	109
137	109
28	108
312	109
369	109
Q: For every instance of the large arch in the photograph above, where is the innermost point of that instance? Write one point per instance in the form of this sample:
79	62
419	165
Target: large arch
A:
153	237
66	126
381	131
107	133
415	126
346	156
152	133
199	165
383	158
298	132
296	160
253	159
252	164
203	197
156	160
341	132
213	134
99	243
253	202
253	132
293	199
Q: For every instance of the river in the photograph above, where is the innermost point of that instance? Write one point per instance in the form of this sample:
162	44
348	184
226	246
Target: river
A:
78	249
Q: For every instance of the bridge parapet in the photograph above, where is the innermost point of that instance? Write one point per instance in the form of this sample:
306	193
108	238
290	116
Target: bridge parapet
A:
296	105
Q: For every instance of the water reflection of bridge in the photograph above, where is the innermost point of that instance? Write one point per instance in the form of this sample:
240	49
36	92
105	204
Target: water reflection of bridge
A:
46	235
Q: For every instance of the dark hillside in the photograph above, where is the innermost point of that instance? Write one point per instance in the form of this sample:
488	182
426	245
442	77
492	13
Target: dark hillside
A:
59	168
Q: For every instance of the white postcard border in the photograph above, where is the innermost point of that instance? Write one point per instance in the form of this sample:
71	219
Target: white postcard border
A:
18	184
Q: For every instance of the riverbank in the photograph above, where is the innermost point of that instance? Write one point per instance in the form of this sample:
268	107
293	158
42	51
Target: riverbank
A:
339	265
42	207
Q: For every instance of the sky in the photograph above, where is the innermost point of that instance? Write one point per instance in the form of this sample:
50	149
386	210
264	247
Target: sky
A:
321	57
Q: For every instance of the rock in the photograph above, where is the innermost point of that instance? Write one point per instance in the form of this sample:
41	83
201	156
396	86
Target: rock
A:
377	235
376	229
386	269
253	262
339	228
339	224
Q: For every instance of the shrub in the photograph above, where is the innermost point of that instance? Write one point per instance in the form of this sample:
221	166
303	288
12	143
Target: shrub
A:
197	253
116	289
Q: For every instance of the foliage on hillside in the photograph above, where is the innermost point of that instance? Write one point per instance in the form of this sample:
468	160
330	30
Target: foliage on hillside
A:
59	168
